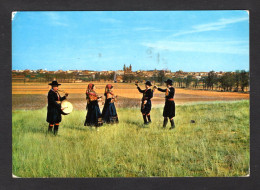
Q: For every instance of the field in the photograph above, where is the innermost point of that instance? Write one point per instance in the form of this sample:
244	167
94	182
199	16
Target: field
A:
34	96
217	144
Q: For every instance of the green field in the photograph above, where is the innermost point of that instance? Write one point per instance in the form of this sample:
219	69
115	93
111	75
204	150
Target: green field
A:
217	144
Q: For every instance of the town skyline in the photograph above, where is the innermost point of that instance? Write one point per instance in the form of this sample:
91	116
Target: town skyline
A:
35	70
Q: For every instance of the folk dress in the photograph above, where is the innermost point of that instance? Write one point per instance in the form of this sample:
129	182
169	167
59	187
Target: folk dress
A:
146	104
169	108
109	114
54	108
93	117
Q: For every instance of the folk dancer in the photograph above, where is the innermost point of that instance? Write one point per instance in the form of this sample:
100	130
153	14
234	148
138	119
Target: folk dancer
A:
146	104
169	108
54	107
109	114
93	117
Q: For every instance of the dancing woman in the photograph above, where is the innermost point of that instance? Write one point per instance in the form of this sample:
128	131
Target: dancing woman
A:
146	101
93	117
169	108
109	114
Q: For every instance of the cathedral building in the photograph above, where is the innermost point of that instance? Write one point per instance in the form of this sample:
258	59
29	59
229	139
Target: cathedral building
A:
127	69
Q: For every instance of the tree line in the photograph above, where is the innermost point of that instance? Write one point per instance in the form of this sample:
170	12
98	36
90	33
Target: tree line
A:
229	81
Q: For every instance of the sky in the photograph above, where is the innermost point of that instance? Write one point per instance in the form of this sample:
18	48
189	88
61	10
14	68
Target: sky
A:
191	41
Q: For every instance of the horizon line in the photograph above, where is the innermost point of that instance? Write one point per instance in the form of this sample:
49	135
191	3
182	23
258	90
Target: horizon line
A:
247	70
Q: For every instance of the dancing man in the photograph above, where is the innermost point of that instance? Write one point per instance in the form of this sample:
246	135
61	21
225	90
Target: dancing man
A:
169	108
146	101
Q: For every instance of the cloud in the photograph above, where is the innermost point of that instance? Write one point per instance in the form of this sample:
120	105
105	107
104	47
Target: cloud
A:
110	20
56	19
227	47
151	29
215	26
143	28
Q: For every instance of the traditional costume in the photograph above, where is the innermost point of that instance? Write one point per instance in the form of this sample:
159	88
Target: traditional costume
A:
169	108
93	117
146	104
109	114
54	108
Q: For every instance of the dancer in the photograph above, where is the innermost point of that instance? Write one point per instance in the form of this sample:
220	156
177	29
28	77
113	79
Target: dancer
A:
146	101
169	108
109	114
93	117
54	107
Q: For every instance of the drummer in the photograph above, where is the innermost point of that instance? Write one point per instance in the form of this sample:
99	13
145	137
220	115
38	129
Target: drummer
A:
54	107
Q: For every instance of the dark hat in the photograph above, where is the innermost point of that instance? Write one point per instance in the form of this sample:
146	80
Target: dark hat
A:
54	83
169	81
148	83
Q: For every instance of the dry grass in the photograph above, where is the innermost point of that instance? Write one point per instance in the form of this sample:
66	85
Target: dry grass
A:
127	93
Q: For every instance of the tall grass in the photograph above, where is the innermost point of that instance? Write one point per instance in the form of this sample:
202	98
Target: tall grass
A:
217	144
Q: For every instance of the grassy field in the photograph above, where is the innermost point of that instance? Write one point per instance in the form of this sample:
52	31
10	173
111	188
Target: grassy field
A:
217	144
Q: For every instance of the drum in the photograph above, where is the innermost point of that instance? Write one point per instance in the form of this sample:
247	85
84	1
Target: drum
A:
67	107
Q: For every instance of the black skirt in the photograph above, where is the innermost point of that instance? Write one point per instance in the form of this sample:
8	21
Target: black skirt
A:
93	117
146	108
169	109
109	114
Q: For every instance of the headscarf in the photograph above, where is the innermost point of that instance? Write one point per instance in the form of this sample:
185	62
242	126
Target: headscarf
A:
90	90
108	90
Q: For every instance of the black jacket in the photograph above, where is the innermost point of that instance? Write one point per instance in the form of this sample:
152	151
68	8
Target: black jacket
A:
54	109
169	108
147	94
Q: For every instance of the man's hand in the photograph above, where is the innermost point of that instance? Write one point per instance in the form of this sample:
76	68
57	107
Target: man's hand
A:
66	94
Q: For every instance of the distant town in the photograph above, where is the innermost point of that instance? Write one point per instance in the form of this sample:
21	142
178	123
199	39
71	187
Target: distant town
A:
89	75
181	79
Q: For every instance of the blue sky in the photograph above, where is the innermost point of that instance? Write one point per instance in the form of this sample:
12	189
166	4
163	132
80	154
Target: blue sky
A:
106	40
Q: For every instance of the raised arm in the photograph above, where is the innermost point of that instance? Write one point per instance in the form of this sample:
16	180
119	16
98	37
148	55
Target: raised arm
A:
63	98
161	90
139	89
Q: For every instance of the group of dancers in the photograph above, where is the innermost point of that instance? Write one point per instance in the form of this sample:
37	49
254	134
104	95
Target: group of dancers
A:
94	116
109	115
169	107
